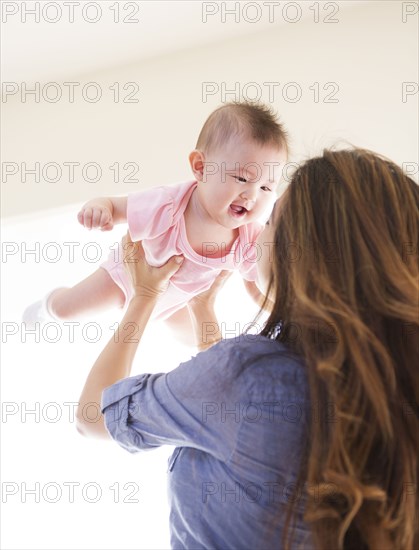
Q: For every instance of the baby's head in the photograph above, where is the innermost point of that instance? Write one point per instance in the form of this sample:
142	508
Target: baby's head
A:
237	162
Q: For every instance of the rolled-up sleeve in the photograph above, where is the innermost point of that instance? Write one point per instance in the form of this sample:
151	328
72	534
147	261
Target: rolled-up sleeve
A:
178	408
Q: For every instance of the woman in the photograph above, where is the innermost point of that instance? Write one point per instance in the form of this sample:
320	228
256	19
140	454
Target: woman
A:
306	435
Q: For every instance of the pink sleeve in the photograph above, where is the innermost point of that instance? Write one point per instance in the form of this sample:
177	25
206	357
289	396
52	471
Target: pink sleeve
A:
149	213
251	253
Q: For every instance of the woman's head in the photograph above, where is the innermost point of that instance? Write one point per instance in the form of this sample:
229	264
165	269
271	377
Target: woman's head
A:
344	284
347	225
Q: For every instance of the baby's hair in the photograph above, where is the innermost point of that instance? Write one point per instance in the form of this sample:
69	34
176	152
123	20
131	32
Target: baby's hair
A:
244	120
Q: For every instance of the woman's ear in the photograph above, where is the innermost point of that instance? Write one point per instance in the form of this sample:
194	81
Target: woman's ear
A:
197	160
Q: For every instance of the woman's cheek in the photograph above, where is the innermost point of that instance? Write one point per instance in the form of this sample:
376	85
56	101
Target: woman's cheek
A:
264	265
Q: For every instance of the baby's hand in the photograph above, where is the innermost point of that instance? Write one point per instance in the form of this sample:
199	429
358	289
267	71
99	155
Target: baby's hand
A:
92	216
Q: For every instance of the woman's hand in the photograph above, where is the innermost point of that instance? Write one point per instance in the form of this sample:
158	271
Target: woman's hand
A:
207	298
115	361
146	280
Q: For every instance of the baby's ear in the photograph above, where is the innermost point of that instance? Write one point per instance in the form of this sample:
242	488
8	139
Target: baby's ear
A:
197	160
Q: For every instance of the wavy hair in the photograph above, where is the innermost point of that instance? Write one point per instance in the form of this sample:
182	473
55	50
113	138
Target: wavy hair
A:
345	286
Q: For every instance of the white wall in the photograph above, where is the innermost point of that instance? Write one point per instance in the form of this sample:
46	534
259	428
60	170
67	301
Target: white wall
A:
369	53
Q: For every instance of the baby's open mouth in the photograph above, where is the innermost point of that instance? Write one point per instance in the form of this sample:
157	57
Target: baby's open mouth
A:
238	210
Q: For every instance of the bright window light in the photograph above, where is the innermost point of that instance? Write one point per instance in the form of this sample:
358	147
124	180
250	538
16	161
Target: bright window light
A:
59	489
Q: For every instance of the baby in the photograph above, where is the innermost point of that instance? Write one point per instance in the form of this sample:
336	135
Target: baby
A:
213	221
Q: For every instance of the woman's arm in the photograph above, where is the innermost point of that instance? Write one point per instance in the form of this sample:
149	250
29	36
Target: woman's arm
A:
113	364
204	321
256	294
115	361
205	324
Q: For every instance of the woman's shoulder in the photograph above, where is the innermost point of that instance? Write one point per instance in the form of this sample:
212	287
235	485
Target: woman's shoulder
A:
257	344
258	359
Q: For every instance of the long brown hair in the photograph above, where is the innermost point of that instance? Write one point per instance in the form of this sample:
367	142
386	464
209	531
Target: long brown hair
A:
345	286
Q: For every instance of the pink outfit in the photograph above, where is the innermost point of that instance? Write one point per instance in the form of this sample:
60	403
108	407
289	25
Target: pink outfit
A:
156	217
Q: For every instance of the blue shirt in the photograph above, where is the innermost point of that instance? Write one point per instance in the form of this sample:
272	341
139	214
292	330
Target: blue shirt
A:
238	415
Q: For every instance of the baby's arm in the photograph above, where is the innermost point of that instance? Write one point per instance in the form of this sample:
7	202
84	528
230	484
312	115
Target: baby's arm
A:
103	213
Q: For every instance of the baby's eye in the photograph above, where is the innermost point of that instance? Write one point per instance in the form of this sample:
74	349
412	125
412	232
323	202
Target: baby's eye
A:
265	188
240	179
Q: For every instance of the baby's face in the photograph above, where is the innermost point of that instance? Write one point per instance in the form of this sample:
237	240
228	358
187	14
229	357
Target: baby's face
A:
239	181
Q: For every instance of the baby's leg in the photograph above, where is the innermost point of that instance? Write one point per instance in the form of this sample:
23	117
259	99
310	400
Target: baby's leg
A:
181	325
96	293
